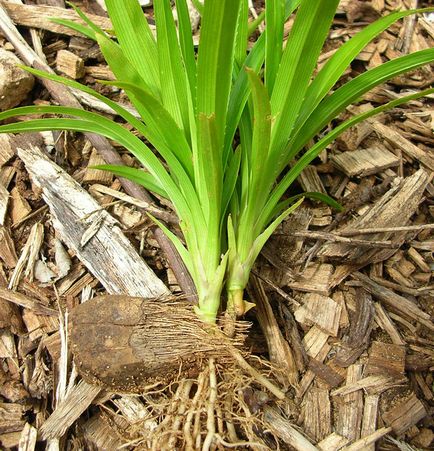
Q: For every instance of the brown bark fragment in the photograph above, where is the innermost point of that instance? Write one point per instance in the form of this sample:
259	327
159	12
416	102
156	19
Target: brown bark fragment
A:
386	359
405	415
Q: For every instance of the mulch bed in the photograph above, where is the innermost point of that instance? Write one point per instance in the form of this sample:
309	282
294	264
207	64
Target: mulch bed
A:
345	300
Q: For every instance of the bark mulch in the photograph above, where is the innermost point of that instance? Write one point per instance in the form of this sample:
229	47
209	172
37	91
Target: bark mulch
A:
344	301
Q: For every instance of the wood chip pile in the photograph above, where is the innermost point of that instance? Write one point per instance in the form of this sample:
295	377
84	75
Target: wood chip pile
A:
345	299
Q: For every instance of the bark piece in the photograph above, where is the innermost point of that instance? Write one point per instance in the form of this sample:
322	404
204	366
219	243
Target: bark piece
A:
15	83
315	279
350	407
387	210
386	359
107	253
70	64
75	403
406	146
33	16
395	302
6	149
316	414
365	161
357	339
11	417
279	351
327	374
320	310
7	248
387	324
405	415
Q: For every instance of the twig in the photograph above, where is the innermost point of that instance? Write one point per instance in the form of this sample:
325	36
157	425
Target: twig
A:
337	238
413	228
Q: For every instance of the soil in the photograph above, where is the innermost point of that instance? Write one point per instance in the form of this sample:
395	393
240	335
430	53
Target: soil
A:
338	352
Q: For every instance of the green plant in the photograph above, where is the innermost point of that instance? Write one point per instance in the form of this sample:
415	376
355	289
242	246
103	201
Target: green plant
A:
227	189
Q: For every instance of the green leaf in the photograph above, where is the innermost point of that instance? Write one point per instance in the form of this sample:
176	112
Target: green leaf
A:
85	31
274	19
315	150
215	60
265	235
299	59
184	197
187	46
136	40
241	37
93	26
340	60
230	180
138	176
162	130
283	204
331	106
173	78
183	252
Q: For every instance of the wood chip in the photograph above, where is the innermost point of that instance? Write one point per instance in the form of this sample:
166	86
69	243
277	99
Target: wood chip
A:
4	199
316	413
320	310
288	433
315	279
333	442
33	16
7	248
387	210
310	180
19	207
370	415
6	149
387	360
350	407
406	146
394	301
365	161
96	175
70	64
11	417
357	340
405	414
75	403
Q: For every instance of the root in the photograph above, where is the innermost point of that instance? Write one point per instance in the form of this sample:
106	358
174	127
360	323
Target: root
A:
210	423
219	409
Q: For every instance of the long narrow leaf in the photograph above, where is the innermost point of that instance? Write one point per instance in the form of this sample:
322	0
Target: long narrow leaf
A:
138	176
136	40
173	78
337	64
331	106
313	152
274	19
299	59
187	46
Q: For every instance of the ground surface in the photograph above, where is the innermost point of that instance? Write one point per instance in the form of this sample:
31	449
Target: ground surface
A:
344	300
